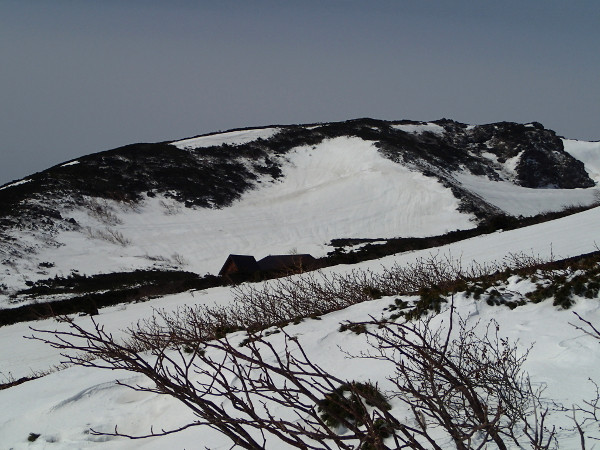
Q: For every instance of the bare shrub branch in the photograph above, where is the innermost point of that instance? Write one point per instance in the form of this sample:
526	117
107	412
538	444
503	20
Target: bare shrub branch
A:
471	384
588	328
170	208
108	235
101	210
253	379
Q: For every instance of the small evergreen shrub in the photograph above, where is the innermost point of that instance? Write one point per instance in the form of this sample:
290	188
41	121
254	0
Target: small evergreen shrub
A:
399	304
562	289
357	328
430	300
373	292
383	429
344	403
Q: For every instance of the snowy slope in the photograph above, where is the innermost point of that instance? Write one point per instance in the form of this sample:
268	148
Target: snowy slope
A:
63	405
522	201
340	188
570	236
360	179
229	138
586	152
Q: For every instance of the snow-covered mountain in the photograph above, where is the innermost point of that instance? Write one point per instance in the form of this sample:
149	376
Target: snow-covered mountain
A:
187	204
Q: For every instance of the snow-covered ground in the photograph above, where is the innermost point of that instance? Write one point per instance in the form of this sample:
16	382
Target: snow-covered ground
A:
340	188
570	236
521	201
64	405
229	138
420	128
586	152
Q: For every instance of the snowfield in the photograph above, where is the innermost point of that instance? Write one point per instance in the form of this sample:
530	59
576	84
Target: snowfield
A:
341	188
586	152
229	138
64	405
522	201
570	236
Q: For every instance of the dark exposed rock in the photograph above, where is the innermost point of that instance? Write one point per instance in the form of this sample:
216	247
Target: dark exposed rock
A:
542	160
539	169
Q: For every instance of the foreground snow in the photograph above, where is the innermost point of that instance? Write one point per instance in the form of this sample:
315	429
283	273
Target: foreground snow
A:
62	407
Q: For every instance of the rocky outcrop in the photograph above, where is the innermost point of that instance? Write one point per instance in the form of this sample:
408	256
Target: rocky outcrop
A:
533	155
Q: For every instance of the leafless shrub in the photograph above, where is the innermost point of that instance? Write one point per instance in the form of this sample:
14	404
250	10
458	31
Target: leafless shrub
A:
170	208
522	260
102	211
469	386
586	327
518	261
459	381
6	378
445	271
117	237
434	270
108	235
232	389
175	259
178	259
130	205
315	293
293	298
468	383
588	409
157	258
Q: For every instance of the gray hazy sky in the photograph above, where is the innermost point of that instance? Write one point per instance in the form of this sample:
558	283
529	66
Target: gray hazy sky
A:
81	76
